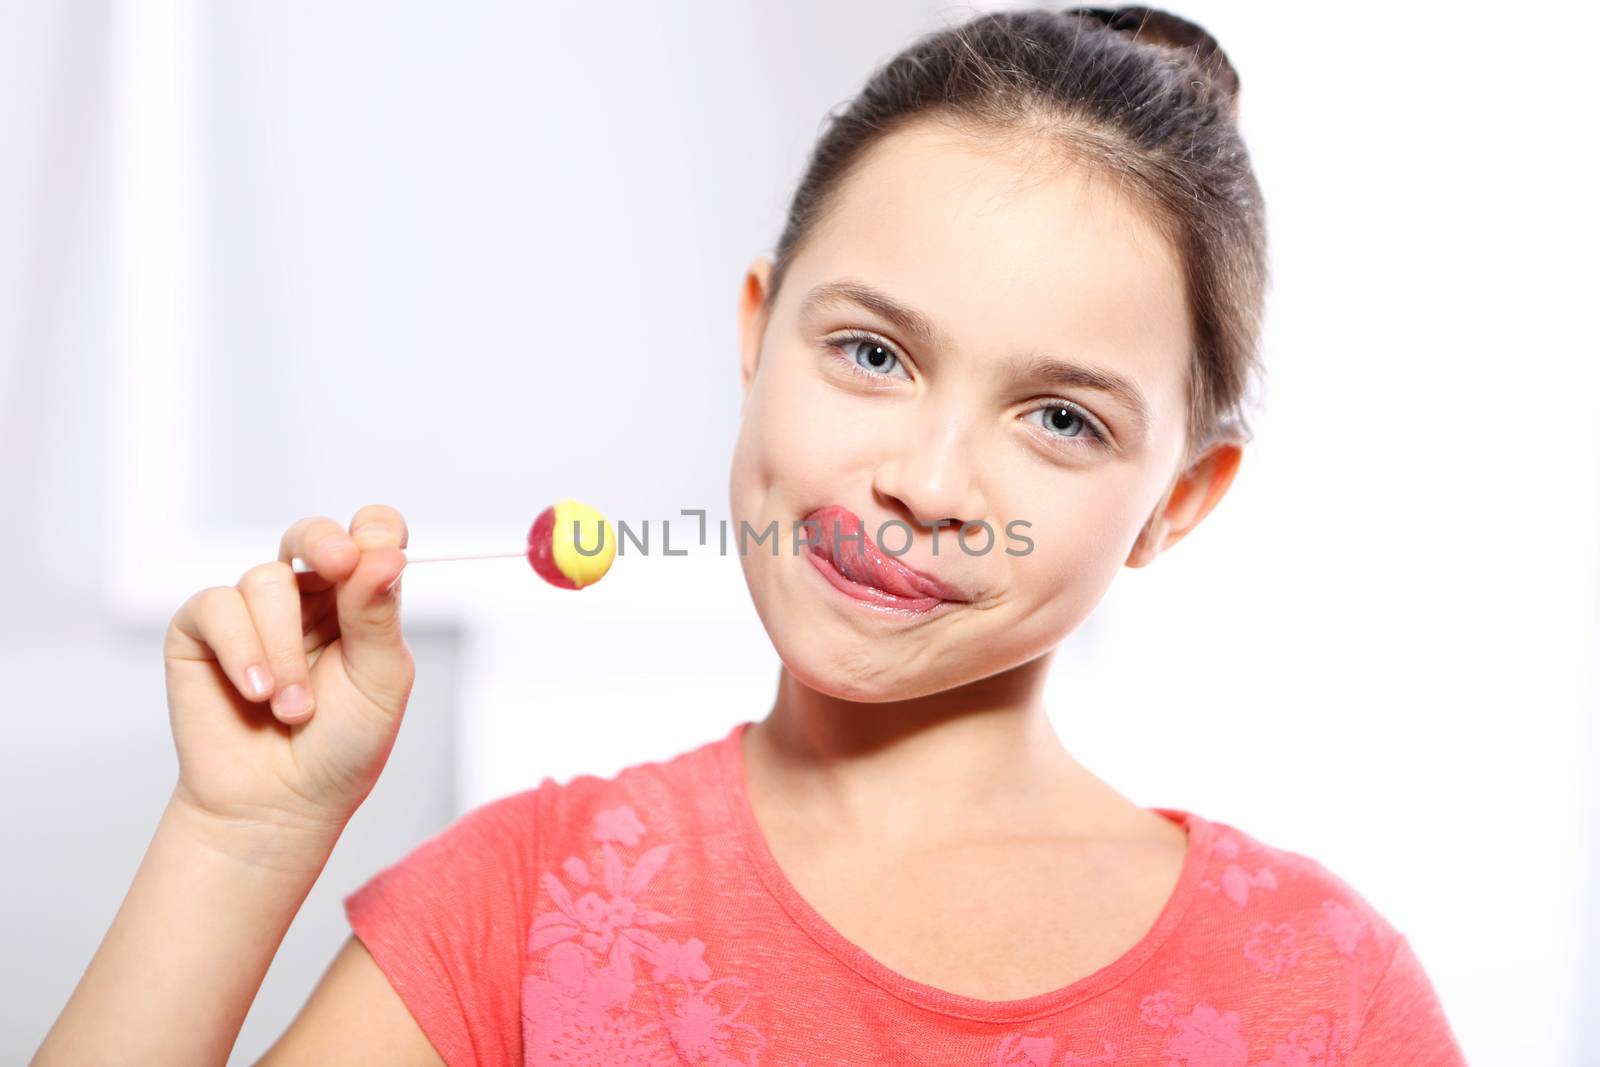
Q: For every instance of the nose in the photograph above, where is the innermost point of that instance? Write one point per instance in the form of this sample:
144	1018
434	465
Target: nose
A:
931	477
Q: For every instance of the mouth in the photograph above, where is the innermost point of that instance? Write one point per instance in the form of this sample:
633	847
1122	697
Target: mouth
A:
852	562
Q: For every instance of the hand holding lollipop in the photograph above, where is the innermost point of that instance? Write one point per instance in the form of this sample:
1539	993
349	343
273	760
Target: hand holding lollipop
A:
316	635
285	690
569	545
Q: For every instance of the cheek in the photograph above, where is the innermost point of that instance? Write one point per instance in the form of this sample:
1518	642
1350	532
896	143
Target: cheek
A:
798	441
771	445
759	428
1081	535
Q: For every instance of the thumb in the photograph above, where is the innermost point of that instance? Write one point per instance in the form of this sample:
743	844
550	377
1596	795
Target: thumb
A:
374	648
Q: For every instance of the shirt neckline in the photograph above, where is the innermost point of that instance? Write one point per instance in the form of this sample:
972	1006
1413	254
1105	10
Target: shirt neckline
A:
731	766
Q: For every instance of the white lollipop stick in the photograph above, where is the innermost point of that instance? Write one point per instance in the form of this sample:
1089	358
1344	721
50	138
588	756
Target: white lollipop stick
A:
497	551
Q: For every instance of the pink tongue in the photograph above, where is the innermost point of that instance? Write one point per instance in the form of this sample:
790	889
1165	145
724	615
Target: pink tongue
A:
873	571
859	561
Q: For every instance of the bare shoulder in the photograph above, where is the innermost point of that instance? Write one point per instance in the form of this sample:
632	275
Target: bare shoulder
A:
353	1016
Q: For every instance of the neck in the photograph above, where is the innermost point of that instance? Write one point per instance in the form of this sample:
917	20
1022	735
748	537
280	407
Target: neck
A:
965	760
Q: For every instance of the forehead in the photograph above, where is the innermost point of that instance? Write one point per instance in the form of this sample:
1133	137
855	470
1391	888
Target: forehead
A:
1009	247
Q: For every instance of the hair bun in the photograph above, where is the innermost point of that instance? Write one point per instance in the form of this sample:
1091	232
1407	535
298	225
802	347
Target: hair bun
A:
1164	28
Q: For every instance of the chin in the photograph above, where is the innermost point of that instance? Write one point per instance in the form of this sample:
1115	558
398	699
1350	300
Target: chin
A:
845	667
863	677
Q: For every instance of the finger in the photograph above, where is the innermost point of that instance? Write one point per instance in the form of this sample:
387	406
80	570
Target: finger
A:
371	641
272	595
388	527
369	609
325	546
218	624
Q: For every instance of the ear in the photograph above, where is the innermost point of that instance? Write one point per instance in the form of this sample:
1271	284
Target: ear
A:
1190	498
752	319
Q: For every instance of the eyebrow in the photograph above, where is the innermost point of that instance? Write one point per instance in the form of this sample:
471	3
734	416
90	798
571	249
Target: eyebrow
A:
1076	376
1020	370
879	303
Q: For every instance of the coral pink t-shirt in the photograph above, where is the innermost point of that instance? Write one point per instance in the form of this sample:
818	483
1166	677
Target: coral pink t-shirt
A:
641	921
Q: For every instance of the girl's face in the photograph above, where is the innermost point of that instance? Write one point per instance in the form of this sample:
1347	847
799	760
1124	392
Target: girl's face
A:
975	334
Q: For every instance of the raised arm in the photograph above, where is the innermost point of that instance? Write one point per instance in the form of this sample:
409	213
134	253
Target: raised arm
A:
285	693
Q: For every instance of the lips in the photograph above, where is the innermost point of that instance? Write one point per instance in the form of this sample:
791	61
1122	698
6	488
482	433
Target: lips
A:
851	552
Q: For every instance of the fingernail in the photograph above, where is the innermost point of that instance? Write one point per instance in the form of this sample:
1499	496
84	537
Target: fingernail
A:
332	543
259	680
368	531
294	700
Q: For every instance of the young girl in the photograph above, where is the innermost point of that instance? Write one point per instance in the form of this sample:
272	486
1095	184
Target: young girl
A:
1016	304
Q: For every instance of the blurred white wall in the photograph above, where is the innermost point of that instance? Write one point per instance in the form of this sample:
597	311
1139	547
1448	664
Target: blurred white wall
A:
265	260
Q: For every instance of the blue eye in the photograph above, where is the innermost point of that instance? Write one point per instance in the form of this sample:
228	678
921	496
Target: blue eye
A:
872	356
871	359
1069	422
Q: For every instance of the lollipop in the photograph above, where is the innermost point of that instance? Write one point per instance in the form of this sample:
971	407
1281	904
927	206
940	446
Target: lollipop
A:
552	547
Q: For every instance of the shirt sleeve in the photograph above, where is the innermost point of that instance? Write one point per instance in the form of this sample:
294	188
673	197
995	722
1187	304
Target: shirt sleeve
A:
446	926
1404	1021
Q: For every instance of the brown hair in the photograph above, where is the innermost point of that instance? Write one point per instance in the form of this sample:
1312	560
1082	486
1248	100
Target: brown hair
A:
1141	95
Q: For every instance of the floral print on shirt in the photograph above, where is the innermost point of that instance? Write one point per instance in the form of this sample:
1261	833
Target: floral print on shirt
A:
1236	882
601	960
1207	1036
606	986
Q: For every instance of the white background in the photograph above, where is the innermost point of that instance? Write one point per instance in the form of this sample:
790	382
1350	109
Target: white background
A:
265	260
